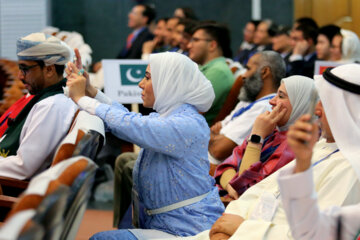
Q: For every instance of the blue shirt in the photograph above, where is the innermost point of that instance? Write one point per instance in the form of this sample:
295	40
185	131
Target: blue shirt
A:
172	165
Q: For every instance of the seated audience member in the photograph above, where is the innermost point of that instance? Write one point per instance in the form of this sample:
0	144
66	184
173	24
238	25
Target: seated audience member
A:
266	149
324	39
281	43
158	44
185	12
248	36
307	216
182	34
265	71
262	40
259	214
302	59
139	19
305	21
345	47
169	34
46	118
209	46
174	146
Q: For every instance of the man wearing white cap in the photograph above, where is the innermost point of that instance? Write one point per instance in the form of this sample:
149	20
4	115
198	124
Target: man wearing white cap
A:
260	214
339	91
28	145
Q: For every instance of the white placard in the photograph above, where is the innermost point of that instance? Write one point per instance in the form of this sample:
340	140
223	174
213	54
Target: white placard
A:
321	66
121	78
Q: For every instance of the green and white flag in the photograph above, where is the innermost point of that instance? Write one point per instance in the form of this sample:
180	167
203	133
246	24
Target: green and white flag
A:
121	79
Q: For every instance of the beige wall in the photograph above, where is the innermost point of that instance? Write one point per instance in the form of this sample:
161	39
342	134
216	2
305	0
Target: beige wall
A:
344	13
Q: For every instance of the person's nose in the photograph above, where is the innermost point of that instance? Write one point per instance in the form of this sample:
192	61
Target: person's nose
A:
273	101
141	83
21	75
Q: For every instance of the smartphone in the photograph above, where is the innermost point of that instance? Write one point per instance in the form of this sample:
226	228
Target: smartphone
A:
313	101
311	110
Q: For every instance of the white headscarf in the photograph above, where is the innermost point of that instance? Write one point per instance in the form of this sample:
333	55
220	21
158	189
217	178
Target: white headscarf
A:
40	46
299	89
177	80
342	111
350	47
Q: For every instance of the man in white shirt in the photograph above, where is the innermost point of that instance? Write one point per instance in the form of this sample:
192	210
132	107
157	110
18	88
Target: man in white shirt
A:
28	144
339	89
265	70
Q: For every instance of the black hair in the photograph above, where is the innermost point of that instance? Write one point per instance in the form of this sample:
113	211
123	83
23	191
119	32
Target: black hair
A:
220	33
309	32
165	19
189	13
58	68
283	29
189	25
307	21
148	12
329	31
255	23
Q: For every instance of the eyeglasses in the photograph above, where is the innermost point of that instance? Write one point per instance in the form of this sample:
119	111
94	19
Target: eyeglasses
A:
195	39
25	68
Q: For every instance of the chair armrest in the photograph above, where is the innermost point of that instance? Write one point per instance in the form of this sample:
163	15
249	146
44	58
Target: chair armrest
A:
12	182
7	201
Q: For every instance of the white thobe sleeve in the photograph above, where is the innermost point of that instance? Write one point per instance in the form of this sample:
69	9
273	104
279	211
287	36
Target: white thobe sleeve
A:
90	104
45	126
303	214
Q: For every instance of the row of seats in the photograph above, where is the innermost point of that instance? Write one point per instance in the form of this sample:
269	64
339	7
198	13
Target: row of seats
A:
53	203
11	88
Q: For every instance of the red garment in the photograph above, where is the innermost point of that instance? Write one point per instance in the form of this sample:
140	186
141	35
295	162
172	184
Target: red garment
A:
12	112
129	40
271	160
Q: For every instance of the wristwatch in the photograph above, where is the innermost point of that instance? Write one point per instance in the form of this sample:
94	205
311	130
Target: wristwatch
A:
255	139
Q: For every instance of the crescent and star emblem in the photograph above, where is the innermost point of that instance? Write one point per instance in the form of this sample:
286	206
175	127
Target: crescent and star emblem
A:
131	78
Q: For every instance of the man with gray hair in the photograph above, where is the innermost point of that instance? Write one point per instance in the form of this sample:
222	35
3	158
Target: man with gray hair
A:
28	144
264	72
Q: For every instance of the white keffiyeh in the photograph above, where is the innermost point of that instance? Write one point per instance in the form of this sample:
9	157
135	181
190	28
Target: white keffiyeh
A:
342	110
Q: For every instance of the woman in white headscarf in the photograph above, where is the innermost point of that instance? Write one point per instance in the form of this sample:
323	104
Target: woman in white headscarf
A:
346	47
266	149
170	176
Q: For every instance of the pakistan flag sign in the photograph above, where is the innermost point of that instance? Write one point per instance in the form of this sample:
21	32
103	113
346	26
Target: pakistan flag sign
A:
121	79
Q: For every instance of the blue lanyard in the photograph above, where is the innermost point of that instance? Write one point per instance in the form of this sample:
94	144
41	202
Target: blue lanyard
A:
316	163
244	109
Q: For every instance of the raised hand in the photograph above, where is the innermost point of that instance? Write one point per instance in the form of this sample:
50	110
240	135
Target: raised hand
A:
301	137
266	122
301	48
76	83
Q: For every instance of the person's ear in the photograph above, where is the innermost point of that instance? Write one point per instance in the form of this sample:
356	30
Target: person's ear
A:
49	71
213	45
265	72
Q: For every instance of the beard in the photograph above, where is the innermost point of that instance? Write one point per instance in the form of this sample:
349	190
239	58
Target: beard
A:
251	88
